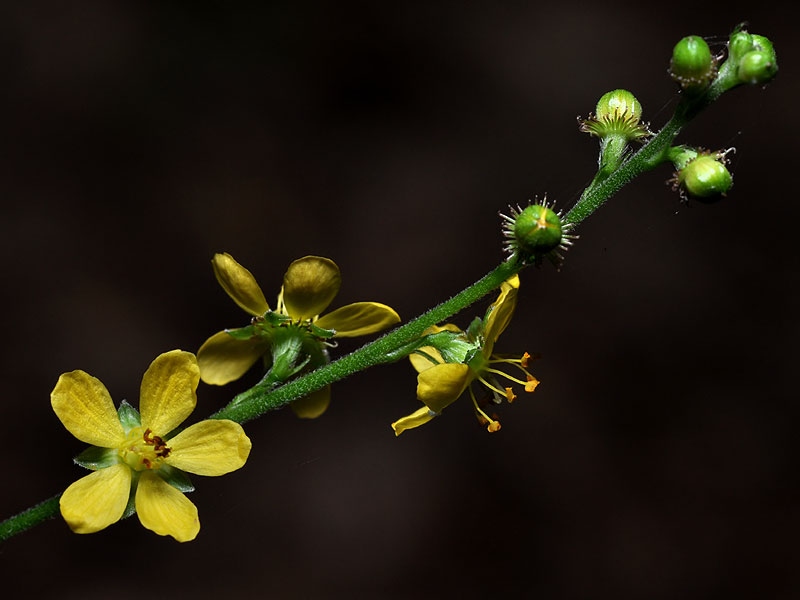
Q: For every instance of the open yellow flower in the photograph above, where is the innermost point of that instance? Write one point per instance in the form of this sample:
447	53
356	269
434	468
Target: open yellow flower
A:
441	382
309	286
136	464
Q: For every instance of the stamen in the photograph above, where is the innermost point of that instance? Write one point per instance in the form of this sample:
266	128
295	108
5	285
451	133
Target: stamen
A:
531	384
492	387
507	376
483	418
510	395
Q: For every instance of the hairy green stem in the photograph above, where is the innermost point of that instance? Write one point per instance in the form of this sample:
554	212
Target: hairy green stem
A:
29	518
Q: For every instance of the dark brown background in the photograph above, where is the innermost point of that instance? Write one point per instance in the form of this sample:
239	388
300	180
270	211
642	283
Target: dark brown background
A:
656	460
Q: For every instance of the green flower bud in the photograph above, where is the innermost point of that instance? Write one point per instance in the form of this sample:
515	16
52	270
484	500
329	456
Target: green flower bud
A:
537	230
619	104
705	177
692	65
618	113
757	67
739	44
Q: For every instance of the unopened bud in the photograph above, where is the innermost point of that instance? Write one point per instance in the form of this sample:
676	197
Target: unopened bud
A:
705	177
692	65
537	230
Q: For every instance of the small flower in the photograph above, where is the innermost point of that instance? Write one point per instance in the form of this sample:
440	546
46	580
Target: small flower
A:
309	286
137	464
440	382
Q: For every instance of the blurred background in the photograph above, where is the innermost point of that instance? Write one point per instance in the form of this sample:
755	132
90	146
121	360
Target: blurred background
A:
656	460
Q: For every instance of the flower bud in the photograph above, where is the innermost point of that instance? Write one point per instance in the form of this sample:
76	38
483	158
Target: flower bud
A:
740	43
753	57
759	65
692	65
537	230
619	104
705	177
757	68
618	113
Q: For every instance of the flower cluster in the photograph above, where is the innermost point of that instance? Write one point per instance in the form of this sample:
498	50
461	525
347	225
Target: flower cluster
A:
448	368
293	336
139	461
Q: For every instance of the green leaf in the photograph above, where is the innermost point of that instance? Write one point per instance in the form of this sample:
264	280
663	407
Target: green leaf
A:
128	416
176	478
94	458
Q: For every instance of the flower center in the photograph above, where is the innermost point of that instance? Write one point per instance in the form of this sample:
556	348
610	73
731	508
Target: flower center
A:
142	450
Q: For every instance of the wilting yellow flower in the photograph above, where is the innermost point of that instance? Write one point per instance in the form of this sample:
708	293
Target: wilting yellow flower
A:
136	459
309	286
440	383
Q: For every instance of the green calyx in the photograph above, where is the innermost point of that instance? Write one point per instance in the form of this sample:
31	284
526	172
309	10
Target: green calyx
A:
692	65
617	113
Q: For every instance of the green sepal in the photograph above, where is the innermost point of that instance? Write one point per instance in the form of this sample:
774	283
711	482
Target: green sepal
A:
176	478
243	333
128	416
130	508
276	319
453	347
322	333
94	458
475	328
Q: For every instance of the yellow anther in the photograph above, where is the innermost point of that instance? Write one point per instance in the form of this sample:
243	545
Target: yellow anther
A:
510	395
531	384
524	360
493	426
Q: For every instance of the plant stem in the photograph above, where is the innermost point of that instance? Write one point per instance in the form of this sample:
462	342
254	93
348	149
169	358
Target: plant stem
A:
29	518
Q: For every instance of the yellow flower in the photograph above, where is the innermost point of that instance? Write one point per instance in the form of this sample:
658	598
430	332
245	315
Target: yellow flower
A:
137	460
309	286
440	383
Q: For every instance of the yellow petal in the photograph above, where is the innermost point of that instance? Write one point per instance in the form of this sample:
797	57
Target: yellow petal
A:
83	405
165	510
309	285
440	385
423	363
239	284
167	394
223	358
313	405
209	448
415	419
500	313
96	501
359	318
